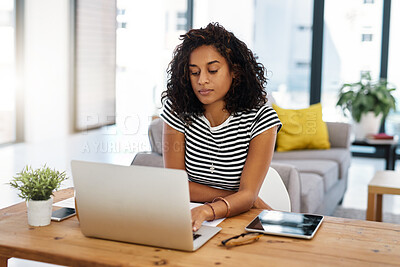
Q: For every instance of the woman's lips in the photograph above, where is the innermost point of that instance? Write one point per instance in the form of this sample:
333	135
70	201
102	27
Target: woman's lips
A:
205	91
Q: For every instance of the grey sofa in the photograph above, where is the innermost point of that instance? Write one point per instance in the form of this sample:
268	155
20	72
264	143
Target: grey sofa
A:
316	180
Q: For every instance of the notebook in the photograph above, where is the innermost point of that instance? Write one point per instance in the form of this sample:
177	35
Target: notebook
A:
136	204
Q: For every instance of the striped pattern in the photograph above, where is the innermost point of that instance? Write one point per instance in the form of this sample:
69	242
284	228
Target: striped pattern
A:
223	147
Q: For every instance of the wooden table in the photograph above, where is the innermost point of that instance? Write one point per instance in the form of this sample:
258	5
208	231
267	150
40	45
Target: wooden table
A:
383	182
339	241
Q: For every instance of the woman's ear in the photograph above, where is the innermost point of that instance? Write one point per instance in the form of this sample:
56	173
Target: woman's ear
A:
235	71
235	74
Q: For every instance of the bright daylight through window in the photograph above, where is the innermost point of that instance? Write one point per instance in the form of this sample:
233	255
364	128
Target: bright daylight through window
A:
148	32
278	32
7	71
352	45
393	120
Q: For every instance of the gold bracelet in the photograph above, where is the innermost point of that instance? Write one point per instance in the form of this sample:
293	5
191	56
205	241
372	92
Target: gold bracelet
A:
208	204
226	203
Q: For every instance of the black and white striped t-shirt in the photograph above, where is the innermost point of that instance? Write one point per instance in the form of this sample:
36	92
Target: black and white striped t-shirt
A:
215	156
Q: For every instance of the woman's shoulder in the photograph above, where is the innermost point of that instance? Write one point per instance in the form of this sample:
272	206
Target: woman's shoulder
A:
255	112
166	109
166	101
266	108
262	114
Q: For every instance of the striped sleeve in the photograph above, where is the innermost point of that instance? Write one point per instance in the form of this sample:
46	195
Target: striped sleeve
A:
265	119
171	118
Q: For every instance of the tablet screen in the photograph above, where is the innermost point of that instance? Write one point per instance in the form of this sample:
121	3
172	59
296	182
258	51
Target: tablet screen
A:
286	224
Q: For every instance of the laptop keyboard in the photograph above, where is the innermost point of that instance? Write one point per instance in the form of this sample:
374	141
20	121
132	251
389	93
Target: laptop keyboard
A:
195	236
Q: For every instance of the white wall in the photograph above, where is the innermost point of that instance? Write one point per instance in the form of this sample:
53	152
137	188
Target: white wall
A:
47	83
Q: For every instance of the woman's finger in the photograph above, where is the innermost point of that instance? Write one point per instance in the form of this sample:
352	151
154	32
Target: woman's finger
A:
197	225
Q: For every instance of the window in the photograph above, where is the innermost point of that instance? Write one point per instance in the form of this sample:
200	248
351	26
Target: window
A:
304	28
206	11
283	36
366	37
95	63
393	120
345	54
7	71
302	64
181	21
144	50
278	32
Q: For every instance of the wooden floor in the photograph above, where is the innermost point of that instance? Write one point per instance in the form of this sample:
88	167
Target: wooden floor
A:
111	146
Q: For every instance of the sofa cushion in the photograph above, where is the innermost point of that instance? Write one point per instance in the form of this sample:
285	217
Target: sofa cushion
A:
302	129
312	192
326	169
291	178
340	155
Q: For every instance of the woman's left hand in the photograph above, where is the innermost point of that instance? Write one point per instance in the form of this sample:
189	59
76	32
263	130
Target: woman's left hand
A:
199	215
260	204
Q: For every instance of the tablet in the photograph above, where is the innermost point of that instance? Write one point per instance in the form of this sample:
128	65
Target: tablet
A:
286	224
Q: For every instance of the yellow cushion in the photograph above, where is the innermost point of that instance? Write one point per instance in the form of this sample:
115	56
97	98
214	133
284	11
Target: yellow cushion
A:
302	129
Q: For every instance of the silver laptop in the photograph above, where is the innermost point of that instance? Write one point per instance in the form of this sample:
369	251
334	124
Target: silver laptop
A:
143	205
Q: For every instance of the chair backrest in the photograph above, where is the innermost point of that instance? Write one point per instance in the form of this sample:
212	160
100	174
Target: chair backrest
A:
274	193
155	135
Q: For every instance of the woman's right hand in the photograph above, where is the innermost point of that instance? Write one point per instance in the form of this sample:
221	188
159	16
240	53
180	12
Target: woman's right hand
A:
199	215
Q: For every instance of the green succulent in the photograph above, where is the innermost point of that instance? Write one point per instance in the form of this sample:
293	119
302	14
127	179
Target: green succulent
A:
365	96
37	184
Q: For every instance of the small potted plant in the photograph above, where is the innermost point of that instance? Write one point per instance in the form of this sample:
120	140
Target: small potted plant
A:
368	102
36	188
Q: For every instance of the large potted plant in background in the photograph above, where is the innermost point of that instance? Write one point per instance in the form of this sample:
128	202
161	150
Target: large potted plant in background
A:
37	187
368	102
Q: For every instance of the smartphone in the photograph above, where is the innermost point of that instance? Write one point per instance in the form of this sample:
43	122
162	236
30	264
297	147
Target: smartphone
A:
63	213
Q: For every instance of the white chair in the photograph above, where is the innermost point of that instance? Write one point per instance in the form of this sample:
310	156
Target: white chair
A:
274	193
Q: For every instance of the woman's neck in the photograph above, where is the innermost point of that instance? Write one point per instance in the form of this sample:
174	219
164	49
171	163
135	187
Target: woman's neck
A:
216	115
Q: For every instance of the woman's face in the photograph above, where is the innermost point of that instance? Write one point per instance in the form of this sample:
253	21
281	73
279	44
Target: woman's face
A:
210	76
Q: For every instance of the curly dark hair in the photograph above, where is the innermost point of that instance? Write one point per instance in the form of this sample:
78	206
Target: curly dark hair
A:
247	89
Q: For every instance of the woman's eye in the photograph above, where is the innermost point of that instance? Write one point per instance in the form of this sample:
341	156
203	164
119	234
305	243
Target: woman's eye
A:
213	71
194	73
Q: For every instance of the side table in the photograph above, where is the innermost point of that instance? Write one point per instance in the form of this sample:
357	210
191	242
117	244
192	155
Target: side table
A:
383	182
388	147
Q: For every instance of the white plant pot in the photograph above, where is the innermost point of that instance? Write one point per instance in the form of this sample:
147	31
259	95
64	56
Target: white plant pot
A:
39	212
369	124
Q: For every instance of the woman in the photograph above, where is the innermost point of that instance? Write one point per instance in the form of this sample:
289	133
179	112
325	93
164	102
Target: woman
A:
217	125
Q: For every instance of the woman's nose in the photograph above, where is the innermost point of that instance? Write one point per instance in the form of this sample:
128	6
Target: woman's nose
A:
203	78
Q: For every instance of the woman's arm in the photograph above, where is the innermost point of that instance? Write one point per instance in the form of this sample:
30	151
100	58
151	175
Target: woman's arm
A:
174	158
258	160
173	146
255	169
